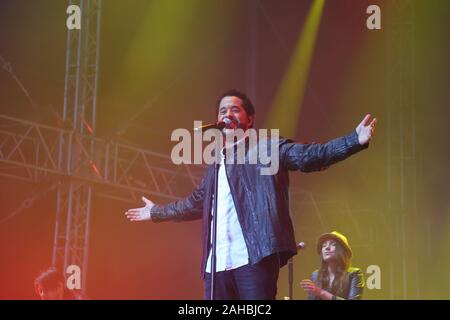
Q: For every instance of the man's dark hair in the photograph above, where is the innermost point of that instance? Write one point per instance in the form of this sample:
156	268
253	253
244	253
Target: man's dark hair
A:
246	103
49	278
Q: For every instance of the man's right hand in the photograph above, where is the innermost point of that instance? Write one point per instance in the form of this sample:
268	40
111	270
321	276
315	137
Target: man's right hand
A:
140	214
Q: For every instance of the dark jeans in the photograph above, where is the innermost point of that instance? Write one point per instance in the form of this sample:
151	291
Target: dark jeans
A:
249	282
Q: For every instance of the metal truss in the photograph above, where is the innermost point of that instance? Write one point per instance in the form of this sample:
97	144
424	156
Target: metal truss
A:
30	151
78	164
80	99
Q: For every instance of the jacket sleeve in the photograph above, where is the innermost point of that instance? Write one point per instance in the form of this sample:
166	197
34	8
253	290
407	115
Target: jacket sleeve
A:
356	286
190	208
316	156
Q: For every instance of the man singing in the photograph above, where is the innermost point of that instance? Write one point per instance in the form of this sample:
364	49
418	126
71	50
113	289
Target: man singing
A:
255	236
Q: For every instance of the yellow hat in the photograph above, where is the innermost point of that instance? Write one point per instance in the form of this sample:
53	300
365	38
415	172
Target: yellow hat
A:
339	237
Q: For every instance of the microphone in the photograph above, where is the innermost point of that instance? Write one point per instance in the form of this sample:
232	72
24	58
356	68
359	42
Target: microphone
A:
219	125
301	246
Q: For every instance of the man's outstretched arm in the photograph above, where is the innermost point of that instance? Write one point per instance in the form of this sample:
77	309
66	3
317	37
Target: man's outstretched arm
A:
317	156
190	208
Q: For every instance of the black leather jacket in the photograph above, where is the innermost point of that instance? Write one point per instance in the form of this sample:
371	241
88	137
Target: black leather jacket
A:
352	289
261	201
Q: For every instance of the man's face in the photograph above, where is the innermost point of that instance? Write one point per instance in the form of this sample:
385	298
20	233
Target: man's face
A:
231	108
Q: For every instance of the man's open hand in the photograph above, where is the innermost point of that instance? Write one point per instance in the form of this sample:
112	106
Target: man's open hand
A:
366	129
140	214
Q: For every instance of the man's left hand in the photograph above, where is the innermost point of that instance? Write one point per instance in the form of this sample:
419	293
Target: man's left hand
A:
366	129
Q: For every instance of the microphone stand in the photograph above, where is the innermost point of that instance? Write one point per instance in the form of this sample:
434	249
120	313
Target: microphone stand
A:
214	221
291	278
214	229
290	263
219	126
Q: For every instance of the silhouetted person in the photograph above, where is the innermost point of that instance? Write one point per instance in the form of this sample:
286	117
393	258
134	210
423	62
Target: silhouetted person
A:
50	285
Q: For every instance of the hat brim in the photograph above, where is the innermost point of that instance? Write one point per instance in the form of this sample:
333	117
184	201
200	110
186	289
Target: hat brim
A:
327	236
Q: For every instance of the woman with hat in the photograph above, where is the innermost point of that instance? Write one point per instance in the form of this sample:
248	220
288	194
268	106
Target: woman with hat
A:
335	279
